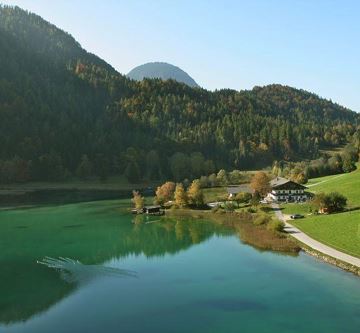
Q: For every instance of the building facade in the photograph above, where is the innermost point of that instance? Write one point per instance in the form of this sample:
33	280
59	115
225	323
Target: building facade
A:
285	190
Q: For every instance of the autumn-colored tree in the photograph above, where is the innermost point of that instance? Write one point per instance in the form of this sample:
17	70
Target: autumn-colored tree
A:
180	196
138	200
260	183
165	192
195	194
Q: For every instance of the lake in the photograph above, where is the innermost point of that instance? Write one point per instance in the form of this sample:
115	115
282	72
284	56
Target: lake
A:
92	267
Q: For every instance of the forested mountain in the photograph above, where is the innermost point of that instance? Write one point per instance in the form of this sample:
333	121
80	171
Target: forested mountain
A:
161	70
65	112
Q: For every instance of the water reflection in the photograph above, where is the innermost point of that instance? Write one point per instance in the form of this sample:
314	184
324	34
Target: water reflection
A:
102	232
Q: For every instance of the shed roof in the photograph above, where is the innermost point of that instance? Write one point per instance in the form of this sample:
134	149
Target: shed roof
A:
152	207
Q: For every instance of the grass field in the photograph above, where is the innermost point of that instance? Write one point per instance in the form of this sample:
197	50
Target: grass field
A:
214	194
341	231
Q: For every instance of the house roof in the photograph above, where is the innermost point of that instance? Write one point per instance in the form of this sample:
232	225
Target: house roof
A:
280	181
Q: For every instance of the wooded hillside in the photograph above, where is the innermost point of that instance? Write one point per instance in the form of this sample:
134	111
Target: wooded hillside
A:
65	112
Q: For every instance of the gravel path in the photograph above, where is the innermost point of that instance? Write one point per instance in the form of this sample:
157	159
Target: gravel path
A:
302	237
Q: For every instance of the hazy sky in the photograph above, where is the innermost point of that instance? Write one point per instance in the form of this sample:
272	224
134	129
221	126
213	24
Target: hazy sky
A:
309	44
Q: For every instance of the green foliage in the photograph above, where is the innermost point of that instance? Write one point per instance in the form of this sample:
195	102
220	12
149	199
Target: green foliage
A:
243	197
132	173
330	203
59	102
235	177
153	166
229	206
275	225
85	168
255	200
335	164
179	165
197	164
204	181
251	210
221	177
341	231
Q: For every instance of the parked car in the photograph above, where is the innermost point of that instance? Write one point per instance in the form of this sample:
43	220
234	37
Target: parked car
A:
296	216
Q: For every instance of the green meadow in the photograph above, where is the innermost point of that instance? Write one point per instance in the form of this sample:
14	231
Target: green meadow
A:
342	230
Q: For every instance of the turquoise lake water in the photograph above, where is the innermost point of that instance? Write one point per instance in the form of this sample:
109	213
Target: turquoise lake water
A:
158	275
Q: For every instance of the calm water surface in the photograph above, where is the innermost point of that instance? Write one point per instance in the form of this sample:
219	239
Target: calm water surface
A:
158	275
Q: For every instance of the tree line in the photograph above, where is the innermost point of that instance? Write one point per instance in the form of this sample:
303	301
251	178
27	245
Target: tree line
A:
66	114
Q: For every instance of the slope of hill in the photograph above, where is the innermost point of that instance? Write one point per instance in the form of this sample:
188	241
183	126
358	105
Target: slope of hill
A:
161	70
342	230
65	112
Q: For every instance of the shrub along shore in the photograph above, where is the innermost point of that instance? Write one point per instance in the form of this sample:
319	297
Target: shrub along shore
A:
243	223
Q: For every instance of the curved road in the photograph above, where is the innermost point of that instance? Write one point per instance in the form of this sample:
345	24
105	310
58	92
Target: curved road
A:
302	237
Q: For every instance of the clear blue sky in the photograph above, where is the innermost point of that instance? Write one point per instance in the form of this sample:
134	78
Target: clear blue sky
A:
309	44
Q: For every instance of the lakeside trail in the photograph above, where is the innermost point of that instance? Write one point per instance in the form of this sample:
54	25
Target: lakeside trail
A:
314	244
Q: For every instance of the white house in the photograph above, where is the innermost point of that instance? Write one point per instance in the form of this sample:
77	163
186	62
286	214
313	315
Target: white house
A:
283	189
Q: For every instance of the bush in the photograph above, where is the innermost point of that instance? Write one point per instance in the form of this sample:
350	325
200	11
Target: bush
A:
276	226
251	210
261	219
243	197
332	202
230	206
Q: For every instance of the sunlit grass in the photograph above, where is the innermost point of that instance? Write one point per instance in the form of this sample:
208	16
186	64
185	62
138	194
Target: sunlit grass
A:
341	231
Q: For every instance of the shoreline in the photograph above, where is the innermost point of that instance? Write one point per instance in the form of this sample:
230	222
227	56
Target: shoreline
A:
317	249
330	260
346	266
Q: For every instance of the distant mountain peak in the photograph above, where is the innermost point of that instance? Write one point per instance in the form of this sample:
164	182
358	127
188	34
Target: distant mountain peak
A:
161	70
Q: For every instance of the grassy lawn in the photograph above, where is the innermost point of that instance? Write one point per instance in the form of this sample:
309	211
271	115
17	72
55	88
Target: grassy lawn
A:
293	208
341	231
214	194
